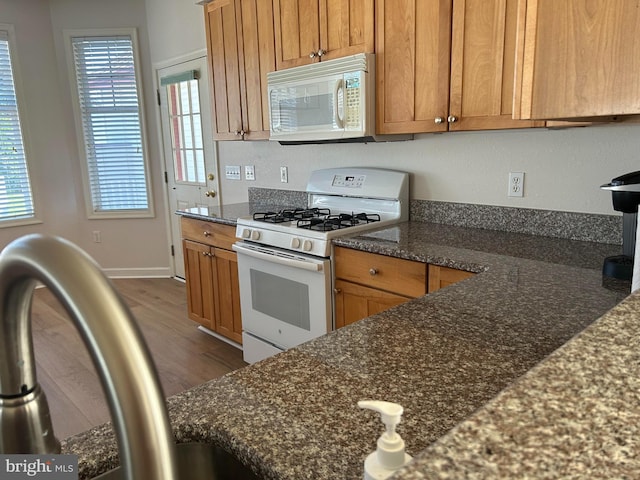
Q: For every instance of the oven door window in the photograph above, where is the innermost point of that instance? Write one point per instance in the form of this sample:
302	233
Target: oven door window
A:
266	297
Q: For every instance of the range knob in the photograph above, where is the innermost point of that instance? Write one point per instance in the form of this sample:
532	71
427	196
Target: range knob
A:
246	233
255	235
307	245
295	242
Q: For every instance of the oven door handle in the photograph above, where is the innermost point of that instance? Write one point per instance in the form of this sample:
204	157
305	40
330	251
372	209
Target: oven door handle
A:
275	258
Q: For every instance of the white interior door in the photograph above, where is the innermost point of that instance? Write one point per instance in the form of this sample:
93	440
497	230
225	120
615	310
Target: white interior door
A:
189	151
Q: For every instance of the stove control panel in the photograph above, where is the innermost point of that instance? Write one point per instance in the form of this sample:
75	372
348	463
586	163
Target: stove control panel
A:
250	234
348	181
300	244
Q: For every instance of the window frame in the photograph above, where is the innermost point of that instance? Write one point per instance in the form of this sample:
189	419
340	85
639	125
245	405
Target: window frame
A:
24	128
91	212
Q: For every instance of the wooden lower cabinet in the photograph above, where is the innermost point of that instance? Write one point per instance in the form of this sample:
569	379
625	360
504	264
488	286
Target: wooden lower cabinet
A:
440	277
226	292
211	275
199	279
354	302
369	283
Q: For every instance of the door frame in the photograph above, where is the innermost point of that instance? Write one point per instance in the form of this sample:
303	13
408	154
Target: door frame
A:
207	118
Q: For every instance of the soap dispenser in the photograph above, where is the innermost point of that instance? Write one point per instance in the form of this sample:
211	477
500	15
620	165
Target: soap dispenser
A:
390	454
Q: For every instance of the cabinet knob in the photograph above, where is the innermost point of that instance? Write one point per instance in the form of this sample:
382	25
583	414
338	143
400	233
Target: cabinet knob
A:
210	193
237	133
206	233
373	271
313	55
321	52
207	254
439	120
337	291
452	119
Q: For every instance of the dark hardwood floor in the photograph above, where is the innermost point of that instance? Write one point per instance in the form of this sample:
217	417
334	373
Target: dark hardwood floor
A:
184	355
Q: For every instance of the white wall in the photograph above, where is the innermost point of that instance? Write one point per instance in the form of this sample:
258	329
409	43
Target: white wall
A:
46	136
563	168
131	246
176	28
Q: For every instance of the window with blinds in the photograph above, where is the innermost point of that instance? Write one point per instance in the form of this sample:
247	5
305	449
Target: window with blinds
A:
109	110
16	200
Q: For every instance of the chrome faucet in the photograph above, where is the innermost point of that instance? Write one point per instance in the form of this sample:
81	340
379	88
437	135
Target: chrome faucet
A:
114	341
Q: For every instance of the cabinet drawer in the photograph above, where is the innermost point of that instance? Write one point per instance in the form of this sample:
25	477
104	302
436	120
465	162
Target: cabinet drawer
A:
397	275
209	233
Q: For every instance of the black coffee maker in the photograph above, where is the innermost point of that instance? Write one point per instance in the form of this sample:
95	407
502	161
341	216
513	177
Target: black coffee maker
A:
626	198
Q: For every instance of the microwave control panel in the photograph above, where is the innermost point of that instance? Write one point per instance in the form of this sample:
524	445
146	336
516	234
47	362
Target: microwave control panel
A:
353	91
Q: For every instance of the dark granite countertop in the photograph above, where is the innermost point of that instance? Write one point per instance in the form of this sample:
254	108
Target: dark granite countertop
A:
226	214
443	357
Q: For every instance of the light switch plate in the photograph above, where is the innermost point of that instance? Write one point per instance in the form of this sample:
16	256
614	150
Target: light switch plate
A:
232	172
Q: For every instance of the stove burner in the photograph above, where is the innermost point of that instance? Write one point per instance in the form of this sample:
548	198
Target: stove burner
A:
336	222
290	214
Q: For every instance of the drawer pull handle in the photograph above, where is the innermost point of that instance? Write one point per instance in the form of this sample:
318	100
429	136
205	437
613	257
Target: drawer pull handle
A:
206	234
373	271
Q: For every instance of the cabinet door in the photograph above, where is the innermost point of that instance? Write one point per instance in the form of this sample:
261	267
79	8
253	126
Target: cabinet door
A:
333	28
483	65
240	48
198	277
256	45
440	277
227	294
413	40
346	27
297	32
222	51
354	302
577	59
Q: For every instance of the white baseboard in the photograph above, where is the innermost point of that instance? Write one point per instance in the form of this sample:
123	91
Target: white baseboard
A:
159	272
219	337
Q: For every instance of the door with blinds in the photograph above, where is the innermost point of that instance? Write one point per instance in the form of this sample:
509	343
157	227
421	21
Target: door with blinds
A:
189	151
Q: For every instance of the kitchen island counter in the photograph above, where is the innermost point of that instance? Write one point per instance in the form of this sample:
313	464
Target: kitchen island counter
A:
443	357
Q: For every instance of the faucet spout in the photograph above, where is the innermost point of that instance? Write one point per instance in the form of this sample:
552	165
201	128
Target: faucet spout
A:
115	344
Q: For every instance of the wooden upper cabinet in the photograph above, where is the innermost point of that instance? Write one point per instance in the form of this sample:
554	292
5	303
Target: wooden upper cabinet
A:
577	59
309	31
483	66
413	39
240	46
446	65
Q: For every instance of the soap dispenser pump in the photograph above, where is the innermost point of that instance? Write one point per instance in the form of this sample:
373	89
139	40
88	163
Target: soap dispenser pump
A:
390	454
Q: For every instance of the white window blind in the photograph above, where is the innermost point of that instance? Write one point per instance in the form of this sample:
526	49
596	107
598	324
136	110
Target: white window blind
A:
111	122
16	201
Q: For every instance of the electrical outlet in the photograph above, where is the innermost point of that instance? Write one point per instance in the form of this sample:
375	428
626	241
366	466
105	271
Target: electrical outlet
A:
232	172
516	184
284	174
249	172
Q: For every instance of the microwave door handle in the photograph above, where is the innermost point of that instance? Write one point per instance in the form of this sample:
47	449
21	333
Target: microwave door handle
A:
338	87
289	262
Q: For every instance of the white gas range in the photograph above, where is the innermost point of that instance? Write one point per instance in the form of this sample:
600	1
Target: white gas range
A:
284	263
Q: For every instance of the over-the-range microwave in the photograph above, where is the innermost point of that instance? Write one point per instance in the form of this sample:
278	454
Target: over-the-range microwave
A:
333	100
